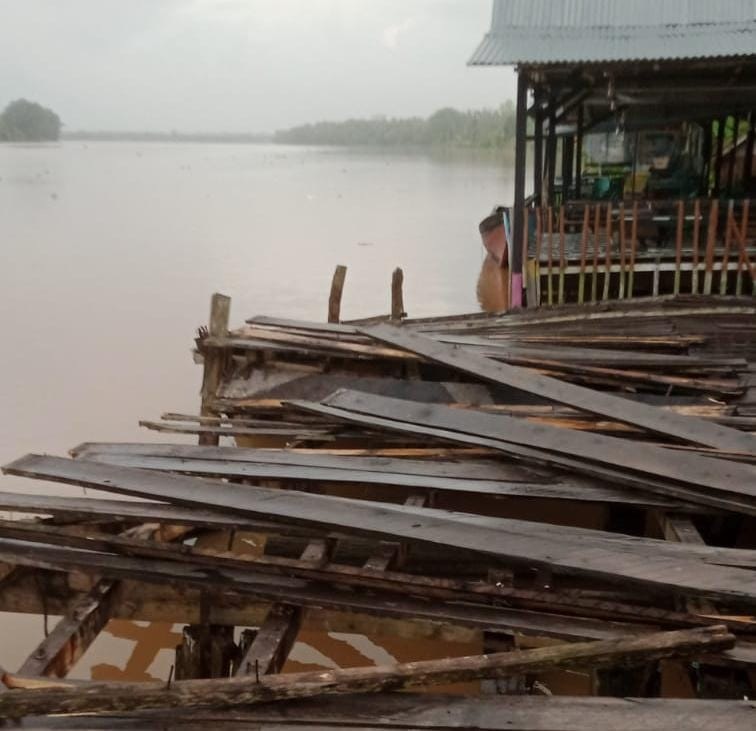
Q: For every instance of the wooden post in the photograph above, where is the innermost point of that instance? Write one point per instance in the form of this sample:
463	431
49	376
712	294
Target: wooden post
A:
621	292
397	296
706	148
518	224
551	151
711	240
579	154
550	254
721	124
562	255
583	251
748	157
678	244
596	237
633	249
723	274
215	360
567	153
696	235
538	149
337	288
608	257
733	153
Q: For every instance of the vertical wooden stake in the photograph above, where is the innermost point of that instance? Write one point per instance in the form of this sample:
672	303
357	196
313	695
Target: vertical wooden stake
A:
608	258
633	248
550	224
622	250
596	236
729	225
337	288
215	359
562	255
711	241
696	233
397	295
678	244
583	250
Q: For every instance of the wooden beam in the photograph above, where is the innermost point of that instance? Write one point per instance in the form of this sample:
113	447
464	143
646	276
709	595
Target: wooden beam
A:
337	289
105	697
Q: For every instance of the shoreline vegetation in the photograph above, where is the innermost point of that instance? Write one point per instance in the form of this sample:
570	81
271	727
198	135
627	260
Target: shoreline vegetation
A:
25	121
490	130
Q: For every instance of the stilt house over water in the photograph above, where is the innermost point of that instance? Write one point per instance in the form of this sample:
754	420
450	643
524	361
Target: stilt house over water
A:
636	122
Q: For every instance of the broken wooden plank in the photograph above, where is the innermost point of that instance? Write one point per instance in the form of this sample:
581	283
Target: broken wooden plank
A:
73	634
276	636
695	431
717	482
104	697
337	289
514	540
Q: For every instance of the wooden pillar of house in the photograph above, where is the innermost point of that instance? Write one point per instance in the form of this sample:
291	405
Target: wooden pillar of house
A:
579	153
748	157
568	148
518	222
538	149
706	149
732	154
721	124
551	149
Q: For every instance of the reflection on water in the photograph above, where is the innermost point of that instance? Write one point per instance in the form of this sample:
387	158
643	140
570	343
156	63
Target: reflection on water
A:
110	252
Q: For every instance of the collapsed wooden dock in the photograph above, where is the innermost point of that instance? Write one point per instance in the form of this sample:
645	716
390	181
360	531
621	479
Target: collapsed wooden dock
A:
558	489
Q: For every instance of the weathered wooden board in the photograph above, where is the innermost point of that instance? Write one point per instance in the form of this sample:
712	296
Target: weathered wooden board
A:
104	697
704	477
292	591
688	429
565	489
421	711
513	540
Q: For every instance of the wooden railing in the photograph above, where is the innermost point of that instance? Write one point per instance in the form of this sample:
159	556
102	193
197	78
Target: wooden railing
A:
601	251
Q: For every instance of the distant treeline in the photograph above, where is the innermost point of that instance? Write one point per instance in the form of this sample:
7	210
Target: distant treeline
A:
484	128
105	136
25	121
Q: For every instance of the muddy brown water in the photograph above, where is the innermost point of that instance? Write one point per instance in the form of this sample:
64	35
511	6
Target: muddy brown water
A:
110	252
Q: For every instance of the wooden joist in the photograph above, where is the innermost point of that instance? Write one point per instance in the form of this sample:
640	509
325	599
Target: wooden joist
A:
108	697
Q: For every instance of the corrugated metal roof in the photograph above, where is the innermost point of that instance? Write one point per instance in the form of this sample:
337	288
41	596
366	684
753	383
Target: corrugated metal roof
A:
554	31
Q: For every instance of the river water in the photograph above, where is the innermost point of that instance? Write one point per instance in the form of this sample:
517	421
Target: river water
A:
110	252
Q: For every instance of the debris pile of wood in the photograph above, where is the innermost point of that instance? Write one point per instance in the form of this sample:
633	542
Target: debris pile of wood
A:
571	488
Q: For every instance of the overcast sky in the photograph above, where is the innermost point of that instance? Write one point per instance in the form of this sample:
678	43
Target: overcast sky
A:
243	65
